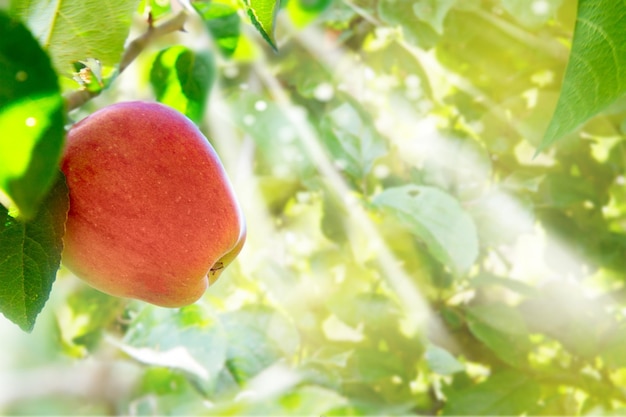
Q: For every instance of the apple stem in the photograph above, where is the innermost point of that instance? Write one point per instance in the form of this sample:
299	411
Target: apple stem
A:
77	98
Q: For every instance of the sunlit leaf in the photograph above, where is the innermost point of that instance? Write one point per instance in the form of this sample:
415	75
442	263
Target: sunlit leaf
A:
263	13
182	79
596	72
30	255
436	218
31	118
68	32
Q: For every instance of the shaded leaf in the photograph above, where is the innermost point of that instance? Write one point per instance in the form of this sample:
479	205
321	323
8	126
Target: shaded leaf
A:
438	219
30	255
596	73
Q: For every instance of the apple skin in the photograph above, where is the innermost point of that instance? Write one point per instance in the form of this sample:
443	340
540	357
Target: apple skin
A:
152	213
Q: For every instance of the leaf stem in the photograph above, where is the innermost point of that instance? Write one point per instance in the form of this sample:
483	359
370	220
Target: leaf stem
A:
77	98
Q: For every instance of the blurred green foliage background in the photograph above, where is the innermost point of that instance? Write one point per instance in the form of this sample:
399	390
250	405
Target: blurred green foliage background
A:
407	252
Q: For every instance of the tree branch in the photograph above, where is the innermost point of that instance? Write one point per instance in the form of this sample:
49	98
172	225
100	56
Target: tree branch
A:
77	98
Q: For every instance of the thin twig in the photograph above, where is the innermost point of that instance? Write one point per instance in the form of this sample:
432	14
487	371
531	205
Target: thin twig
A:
77	98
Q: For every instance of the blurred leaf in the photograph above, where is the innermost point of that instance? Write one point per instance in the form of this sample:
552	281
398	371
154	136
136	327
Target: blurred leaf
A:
311	400
30	255
402	13
333	218
263	13
371	365
375	311
441	362
502	329
562	190
504	393
222	22
352	140
281	153
438	219
433	12
596	72
182	79
188	339
66	29
257	337
31	118
88	314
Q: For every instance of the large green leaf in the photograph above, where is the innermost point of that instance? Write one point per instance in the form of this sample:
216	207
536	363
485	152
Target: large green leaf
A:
30	255
263	16
74	30
31	118
596	73
438	219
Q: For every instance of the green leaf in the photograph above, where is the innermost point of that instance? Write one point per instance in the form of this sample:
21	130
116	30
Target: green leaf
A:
222	22
258	336
311	400
31	118
433	12
30	255
182	79
402	13
438	219
505	393
68	31
189	340
352	140
596	73
502	329
441	361
263	13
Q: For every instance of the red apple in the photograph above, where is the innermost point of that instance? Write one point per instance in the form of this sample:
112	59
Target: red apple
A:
152	213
